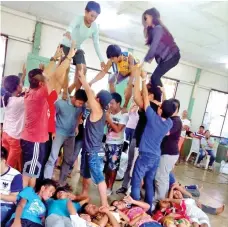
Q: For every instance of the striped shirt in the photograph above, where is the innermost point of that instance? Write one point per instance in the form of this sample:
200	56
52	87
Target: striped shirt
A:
10	182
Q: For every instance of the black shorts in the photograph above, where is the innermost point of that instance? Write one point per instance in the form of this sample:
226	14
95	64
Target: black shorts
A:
33	156
24	223
79	57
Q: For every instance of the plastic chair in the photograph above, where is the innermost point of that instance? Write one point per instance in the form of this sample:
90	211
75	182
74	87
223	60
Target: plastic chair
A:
194	149
206	160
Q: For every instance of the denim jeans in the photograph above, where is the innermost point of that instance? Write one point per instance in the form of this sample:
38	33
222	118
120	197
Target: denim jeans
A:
129	134
203	154
151	224
91	166
145	168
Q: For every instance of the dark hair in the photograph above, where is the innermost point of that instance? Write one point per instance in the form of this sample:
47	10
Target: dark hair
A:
117	97
82	210
176	102
201	126
207	131
45	182
10	85
80	94
113	51
156	21
59	189
168	108
4	153
34	82
113	202
93	6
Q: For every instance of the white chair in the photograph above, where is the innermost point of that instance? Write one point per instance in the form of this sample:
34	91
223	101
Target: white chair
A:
194	149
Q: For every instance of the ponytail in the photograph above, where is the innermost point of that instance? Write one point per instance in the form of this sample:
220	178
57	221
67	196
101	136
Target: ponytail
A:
5	99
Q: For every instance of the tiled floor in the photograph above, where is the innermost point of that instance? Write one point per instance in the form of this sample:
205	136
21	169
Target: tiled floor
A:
214	192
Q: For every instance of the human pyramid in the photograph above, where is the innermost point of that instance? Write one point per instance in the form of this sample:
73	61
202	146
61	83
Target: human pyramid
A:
37	124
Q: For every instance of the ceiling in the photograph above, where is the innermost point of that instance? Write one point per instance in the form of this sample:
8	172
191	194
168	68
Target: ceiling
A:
200	28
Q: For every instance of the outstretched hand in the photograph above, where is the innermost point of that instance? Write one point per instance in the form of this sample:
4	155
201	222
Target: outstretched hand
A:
59	52
136	71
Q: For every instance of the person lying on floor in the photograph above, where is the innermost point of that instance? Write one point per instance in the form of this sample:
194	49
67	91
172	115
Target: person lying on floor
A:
193	191
99	216
171	213
196	215
58	211
31	209
134	212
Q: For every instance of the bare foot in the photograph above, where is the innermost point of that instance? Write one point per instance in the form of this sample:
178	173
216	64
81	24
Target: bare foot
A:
220	209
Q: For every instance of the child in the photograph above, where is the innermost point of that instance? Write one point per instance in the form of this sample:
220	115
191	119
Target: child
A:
149	149
58	212
116	122
30	209
134	212
10	186
121	62
13	123
172	213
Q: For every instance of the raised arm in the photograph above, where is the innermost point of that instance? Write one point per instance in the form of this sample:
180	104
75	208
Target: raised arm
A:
141	204
136	91
60	72
146	101
94	105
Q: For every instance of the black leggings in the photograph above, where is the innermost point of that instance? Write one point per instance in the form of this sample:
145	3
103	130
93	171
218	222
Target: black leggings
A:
161	69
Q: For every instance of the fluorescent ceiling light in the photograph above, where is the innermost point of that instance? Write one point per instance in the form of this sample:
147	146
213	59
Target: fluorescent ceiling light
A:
109	20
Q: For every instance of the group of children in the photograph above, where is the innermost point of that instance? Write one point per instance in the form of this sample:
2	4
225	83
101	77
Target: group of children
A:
37	124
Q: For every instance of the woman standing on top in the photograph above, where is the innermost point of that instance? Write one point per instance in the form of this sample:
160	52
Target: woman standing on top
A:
162	48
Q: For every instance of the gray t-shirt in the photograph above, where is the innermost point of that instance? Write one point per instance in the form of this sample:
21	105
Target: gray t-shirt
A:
66	117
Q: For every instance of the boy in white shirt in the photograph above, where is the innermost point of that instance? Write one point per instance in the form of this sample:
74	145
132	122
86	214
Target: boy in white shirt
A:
116	121
10	186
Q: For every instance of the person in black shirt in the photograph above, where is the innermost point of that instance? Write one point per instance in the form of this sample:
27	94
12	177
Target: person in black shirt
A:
169	155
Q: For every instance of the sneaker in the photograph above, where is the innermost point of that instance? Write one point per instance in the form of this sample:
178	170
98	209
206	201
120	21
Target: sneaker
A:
121	190
109	192
198	165
210	168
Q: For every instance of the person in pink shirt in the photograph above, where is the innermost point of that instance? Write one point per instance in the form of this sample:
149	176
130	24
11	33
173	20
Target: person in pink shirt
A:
35	132
13	123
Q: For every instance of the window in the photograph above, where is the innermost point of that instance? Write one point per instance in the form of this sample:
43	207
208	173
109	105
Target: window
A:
3	45
170	86
215	117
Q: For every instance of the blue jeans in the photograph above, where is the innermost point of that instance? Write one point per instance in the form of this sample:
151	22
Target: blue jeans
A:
151	224
91	166
129	134
203	154
145	168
